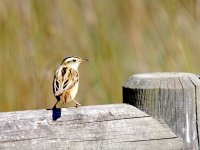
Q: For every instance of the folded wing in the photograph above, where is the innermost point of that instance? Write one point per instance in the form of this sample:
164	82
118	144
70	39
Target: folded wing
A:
64	79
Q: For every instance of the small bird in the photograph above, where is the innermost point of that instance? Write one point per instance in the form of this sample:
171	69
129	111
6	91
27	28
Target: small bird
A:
66	80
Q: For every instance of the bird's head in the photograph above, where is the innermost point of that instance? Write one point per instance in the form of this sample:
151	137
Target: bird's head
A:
73	62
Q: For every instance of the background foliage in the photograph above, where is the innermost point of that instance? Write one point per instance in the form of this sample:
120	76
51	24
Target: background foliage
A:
119	37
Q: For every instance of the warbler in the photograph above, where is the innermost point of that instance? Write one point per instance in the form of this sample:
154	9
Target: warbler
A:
66	80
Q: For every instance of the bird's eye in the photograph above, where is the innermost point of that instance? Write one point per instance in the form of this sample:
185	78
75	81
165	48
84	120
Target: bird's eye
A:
74	60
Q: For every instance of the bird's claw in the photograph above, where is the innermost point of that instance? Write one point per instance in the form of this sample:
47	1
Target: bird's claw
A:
77	105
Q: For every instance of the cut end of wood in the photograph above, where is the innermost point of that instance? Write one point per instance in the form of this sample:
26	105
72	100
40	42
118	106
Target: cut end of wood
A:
162	75
134	79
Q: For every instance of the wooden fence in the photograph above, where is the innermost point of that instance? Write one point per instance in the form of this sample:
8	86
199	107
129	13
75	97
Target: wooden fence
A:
164	116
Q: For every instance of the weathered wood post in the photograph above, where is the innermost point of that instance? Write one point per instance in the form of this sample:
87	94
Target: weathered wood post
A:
172	98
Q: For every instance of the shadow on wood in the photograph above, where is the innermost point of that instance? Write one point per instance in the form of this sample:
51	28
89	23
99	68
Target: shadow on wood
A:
172	98
118	126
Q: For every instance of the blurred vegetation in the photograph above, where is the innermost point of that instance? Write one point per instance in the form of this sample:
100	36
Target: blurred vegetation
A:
120	38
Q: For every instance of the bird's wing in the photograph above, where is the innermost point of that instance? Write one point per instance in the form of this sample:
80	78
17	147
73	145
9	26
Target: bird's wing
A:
64	79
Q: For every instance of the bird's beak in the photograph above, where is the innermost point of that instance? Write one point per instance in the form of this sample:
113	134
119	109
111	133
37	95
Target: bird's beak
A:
83	60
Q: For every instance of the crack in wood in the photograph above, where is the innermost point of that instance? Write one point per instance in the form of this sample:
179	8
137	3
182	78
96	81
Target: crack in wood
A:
152	139
160	112
110	139
195	86
25	139
91	140
175	109
113	119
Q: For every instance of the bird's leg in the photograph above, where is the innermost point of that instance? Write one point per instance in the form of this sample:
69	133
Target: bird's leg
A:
55	105
77	103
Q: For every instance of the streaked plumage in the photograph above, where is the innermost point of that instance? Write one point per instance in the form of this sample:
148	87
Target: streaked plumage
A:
66	80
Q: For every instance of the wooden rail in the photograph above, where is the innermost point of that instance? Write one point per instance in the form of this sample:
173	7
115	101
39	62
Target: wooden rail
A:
171	98
117	126
165	115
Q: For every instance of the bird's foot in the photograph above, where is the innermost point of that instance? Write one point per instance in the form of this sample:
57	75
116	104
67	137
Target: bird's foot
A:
77	105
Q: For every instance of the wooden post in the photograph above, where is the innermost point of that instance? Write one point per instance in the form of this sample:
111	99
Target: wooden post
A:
172	98
117	126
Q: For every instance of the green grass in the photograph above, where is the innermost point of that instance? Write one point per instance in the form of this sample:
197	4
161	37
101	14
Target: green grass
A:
120	38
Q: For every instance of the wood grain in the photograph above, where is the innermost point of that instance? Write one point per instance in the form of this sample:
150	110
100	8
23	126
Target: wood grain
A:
172	98
117	126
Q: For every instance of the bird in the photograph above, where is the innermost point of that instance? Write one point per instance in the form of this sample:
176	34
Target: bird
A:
66	80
